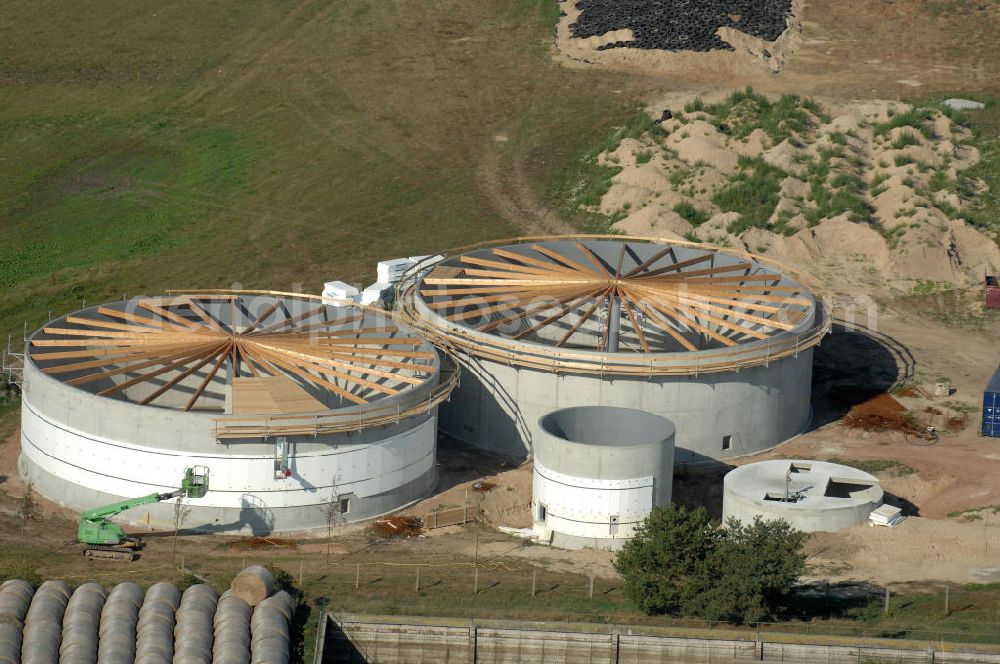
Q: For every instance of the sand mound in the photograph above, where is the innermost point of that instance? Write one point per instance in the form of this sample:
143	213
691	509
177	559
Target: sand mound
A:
871	192
253	585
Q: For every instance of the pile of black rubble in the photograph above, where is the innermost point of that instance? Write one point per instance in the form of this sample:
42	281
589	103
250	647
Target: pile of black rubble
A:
681	25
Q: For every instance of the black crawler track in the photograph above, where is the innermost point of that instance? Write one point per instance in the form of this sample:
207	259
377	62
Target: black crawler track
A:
681	25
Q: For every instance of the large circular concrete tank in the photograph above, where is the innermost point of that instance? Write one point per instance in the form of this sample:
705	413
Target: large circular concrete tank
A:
810	495
718	341
598	471
295	405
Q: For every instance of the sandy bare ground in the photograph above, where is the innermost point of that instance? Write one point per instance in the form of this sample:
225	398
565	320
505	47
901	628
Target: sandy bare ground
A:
923	235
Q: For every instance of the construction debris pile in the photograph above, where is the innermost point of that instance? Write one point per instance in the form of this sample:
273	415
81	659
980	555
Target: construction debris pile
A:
398	526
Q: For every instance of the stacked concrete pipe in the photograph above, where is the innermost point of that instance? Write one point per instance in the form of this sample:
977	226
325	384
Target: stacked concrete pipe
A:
194	633
269	628
154	632
15	598
90	626
118	623
43	624
81	624
232	630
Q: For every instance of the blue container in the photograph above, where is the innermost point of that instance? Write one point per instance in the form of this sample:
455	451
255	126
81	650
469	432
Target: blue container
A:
991	407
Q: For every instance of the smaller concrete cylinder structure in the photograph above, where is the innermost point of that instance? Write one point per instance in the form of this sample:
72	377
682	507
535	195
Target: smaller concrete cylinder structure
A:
811	495
599	470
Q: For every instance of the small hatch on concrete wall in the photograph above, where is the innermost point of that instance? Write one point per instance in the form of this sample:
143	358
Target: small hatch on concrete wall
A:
727	441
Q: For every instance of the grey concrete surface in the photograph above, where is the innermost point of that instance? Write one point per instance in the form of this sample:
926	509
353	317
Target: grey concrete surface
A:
497	407
498	404
810	495
401	640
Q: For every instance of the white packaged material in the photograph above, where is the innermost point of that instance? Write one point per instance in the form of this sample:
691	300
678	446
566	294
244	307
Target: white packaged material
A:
339	290
390	271
379	291
886	515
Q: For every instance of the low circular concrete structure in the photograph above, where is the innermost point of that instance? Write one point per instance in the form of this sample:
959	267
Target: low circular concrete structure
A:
598	472
294	405
810	495
717	341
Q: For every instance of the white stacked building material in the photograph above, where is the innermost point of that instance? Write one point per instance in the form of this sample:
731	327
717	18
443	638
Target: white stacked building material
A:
379	291
887	515
339	290
391	271
426	261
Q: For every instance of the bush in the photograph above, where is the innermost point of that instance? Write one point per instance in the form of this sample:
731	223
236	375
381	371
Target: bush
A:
21	567
680	563
668	564
753	192
691	214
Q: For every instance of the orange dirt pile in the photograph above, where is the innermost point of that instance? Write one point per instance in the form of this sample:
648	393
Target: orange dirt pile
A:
881	413
398	526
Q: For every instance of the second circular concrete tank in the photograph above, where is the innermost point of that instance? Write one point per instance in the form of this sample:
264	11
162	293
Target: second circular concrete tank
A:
599	470
810	495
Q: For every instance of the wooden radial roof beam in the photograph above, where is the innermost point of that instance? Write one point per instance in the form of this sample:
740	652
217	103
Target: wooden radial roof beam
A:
169	315
223	354
565	309
569	262
597	263
203	314
543	306
548	265
152	374
672	267
290	367
680	297
181	376
661	322
583	319
511	267
262	317
625	303
187	351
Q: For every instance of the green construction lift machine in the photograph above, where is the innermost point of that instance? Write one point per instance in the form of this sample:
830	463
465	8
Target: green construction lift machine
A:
106	540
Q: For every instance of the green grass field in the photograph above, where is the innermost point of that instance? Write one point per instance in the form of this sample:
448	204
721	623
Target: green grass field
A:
273	145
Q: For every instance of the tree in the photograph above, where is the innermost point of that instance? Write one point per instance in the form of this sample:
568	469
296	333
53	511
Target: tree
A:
181	513
680	563
757	565
668	563
28	510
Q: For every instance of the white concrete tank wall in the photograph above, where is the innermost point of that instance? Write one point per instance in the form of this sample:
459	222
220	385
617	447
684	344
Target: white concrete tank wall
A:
598	472
811	495
84	450
497	407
